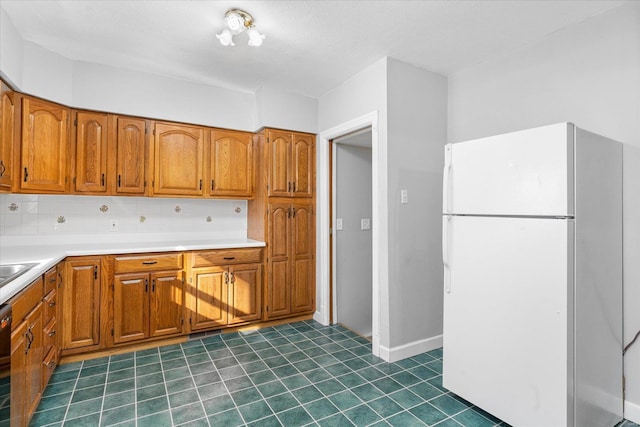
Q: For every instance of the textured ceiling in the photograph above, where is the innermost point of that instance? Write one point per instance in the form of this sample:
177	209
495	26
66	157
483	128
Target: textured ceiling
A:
311	46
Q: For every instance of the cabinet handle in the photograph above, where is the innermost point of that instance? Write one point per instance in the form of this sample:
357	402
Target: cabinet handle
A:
146	285
212	181
201	184
229	258
52	333
26	174
294	187
52	304
226	277
289	213
51	364
294	212
289	187
149	262
59	279
119	185
102	180
153	285
2	168
233	278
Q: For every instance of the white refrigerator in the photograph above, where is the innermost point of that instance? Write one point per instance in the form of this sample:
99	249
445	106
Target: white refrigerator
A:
532	253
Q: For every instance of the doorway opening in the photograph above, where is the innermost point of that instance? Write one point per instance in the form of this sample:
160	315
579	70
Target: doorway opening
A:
351	239
379	229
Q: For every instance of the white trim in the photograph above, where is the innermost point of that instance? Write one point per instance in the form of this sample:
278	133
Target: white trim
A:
378	219
411	349
632	412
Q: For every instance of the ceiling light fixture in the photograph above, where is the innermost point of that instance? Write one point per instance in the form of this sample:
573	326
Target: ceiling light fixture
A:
237	21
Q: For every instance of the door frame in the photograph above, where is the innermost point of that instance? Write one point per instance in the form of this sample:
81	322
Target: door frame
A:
379	227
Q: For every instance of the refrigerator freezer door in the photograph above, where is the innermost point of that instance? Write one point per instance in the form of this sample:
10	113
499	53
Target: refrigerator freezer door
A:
507	317
521	173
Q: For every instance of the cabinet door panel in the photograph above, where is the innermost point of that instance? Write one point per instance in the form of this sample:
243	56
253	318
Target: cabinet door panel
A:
302	165
167	294
279	230
278	292
130	307
19	374
130	160
246	289
91	152
35	355
7	136
231	164
44	146
209	298
178	160
279	149
303	283
81	303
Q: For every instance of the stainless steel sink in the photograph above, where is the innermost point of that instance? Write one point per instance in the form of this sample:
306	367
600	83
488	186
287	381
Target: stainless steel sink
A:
8	272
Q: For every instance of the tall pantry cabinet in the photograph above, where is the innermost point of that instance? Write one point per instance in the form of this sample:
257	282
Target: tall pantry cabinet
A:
283	215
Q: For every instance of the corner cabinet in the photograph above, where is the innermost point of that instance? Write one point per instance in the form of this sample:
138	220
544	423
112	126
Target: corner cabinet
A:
282	214
8	111
178	153
81	304
44	148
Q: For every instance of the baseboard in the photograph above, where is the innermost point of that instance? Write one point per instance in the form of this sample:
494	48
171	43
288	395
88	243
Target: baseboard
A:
318	317
632	412
411	349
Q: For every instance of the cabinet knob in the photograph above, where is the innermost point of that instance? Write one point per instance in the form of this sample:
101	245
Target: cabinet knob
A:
52	304
3	168
52	333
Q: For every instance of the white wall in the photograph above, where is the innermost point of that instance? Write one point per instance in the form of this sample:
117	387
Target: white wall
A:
417	117
588	74
40	72
280	109
353	245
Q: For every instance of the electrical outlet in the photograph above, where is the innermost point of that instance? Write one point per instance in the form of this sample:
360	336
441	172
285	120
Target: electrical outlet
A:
365	224
339	224
404	197
113	225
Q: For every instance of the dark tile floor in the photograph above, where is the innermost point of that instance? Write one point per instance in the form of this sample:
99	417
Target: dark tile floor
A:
298	374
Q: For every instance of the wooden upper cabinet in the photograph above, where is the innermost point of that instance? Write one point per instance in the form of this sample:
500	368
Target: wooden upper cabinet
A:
231	164
130	156
302	165
178	159
7	136
91	135
279	152
290	164
44	146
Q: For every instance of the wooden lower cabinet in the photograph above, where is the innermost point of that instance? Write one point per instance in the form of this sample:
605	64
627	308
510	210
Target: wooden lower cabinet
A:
81	303
291	286
147	305
219	295
19	375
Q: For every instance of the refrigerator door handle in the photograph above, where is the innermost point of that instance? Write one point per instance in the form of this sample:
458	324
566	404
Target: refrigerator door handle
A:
448	165
445	252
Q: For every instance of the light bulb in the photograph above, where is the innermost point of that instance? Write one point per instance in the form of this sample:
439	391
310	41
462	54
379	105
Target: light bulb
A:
225	37
255	38
234	22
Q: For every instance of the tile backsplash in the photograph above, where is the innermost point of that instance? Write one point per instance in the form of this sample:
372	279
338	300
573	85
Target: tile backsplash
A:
38	215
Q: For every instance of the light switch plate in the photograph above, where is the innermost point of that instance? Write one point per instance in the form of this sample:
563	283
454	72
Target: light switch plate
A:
339	224
404	197
365	224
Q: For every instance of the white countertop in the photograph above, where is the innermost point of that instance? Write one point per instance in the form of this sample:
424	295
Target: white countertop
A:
48	254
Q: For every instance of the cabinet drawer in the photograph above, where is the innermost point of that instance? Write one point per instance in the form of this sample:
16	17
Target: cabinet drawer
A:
132	264
50	301
50	280
26	301
50	361
226	256
49	336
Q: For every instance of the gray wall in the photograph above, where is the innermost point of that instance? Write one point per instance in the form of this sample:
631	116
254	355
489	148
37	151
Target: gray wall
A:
353	245
588	74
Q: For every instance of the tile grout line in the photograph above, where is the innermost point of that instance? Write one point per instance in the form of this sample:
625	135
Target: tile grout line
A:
104	392
64	418
166	392
194	383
